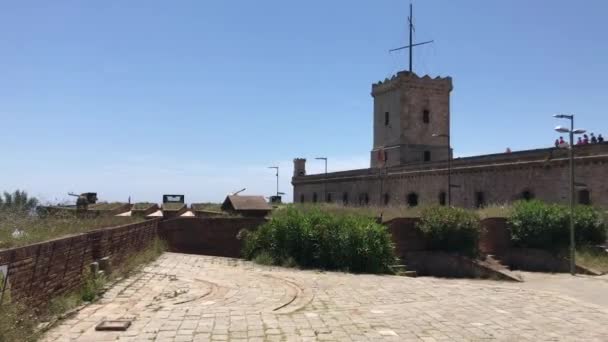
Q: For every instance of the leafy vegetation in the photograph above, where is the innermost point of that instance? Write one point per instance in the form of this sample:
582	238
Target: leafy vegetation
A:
310	237
18	201
451	229
536	224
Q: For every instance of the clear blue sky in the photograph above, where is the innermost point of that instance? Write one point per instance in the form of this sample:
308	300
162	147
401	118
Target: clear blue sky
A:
141	98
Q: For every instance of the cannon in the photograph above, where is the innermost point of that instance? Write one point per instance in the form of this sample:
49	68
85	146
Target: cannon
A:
84	199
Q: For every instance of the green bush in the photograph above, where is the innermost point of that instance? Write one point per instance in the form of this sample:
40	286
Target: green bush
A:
314	238
450	229
535	224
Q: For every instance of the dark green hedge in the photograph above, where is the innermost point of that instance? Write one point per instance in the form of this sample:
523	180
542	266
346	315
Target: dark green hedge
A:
535	224
451	230
317	239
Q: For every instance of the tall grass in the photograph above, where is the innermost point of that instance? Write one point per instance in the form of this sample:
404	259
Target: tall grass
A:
385	212
19	228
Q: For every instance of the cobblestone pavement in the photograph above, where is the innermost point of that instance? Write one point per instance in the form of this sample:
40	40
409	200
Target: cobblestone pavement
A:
199	298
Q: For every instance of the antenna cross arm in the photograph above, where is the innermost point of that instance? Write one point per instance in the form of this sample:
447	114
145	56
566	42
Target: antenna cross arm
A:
410	46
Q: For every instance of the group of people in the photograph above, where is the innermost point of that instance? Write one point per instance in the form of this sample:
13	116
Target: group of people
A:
585	140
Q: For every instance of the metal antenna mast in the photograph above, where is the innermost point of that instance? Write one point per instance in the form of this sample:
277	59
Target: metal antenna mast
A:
412	44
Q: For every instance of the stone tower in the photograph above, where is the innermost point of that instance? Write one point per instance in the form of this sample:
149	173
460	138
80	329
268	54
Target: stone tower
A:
408	110
299	167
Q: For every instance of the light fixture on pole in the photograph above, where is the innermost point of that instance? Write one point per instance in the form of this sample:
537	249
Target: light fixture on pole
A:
276	168
437	135
325	181
571	132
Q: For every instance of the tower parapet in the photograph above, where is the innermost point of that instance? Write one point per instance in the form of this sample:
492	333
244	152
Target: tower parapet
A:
410	79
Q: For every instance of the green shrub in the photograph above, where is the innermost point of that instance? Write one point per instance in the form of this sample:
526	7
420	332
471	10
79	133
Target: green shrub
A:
535	224
314	238
450	229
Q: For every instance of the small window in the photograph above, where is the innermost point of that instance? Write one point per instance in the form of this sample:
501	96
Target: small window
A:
426	116
386	118
527	195
386	199
345	198
480	200
427	156
442	198
584	198
412	199
363	199
314	197
301	198
328	198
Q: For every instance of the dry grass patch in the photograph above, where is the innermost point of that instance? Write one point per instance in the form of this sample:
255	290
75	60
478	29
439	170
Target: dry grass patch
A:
18	228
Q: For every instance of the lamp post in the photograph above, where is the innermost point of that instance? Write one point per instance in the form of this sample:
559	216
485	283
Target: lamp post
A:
437	135
325	181
571	132
277	168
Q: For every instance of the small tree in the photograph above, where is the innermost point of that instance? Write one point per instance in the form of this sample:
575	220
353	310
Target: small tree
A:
18	201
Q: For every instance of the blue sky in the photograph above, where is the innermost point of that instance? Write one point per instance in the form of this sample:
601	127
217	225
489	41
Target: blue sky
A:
142	98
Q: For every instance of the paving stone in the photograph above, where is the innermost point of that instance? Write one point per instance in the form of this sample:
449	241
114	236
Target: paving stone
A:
201	298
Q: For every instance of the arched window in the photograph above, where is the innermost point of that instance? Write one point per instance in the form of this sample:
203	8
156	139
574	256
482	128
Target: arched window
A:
426	116
386	198
328	197
345	198
527	195
584	197
412	199
301	198
442	198
480	200
314	197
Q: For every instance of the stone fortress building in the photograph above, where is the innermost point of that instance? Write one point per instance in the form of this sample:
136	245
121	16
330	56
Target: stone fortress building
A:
410	160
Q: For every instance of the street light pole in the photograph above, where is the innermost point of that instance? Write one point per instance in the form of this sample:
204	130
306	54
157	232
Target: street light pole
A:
571	132
325	181
276	168
449	165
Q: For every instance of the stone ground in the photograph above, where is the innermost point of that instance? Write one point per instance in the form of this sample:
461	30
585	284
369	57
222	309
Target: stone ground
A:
200	298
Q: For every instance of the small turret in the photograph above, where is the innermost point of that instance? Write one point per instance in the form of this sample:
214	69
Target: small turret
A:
299	167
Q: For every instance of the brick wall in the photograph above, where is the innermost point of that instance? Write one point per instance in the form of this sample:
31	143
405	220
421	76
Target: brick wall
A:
407	237
44	270
208	236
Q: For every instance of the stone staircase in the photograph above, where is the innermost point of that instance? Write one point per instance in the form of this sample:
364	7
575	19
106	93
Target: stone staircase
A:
401	270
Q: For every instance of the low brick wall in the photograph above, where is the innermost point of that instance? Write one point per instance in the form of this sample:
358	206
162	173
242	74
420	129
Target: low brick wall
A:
209	236
441	264
495	237
44	270
406	236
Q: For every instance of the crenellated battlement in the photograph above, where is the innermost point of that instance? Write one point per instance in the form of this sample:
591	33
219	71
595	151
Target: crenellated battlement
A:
406	78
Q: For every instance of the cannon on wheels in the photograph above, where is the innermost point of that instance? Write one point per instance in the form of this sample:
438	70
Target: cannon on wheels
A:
84	199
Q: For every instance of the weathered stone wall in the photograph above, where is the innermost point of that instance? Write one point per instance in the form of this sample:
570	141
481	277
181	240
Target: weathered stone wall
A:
44	270
407	135
497	179
209	236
